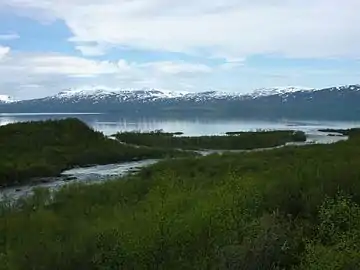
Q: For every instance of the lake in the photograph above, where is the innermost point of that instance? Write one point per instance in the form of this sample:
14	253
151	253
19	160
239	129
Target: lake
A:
112	123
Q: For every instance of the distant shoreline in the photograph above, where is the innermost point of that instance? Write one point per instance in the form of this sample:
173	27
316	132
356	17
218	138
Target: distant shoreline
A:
59	113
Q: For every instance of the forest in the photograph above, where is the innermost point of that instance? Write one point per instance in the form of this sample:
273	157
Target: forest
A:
290	208
45	148
231	141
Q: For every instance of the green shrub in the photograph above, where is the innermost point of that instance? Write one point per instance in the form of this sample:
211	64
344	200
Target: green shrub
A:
240	140
289	208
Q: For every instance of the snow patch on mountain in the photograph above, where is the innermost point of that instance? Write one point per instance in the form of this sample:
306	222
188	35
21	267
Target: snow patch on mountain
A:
149	95
121	95
279	91
211	95
82	93
6	99
144	95
353	87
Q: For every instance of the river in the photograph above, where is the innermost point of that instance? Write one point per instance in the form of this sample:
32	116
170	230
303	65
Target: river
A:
100	173
110	124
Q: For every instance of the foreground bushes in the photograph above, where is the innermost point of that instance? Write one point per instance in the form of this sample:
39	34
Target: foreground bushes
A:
290	208
46	148
237	140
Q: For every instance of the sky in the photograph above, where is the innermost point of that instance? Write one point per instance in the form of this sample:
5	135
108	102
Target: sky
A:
47	46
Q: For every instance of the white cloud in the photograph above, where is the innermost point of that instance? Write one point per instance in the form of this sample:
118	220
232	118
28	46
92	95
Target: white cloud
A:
175	68
33	75
233	63
3	52
25	75
70	66
9	36
231	29
91	50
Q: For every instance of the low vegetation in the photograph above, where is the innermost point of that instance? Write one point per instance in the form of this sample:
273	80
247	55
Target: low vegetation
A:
46	148
290	208
243	140
345	132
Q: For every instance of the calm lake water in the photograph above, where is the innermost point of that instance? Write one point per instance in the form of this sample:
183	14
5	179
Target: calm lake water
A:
112	123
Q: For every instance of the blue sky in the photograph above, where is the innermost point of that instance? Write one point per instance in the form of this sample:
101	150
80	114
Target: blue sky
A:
50	45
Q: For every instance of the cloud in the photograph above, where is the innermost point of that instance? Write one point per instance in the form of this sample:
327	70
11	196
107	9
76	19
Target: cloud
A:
233	63
232	35
69	65
9	36
229	29
91	49
29	75
3	52
33	75
175	68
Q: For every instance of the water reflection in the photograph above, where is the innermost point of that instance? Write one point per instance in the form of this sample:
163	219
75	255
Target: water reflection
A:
112	123
6	120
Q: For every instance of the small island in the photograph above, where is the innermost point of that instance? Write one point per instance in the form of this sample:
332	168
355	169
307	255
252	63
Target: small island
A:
242	140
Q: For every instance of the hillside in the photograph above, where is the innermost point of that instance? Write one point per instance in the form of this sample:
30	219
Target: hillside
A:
337	103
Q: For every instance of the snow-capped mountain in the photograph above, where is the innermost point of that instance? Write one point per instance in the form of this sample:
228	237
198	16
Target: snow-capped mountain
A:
279	91
98	95
149	95
6	99
340	103
145	95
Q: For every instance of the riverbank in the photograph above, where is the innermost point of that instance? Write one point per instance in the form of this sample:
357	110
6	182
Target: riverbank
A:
82	175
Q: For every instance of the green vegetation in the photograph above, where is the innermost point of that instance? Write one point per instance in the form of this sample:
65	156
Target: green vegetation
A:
331	130
46	148
234	132
290	208
244	140
345	132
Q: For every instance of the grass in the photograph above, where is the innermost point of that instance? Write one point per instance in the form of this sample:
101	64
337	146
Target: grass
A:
244	140
46	148
291	208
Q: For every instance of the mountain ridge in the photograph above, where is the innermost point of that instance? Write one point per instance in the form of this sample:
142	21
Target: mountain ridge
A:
157	93
333	103
146	93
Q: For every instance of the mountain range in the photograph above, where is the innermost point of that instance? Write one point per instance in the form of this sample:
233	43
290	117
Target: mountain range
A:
334	103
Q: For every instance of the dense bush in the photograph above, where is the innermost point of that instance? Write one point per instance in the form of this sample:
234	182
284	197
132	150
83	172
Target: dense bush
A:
290	208
237	140
46	148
